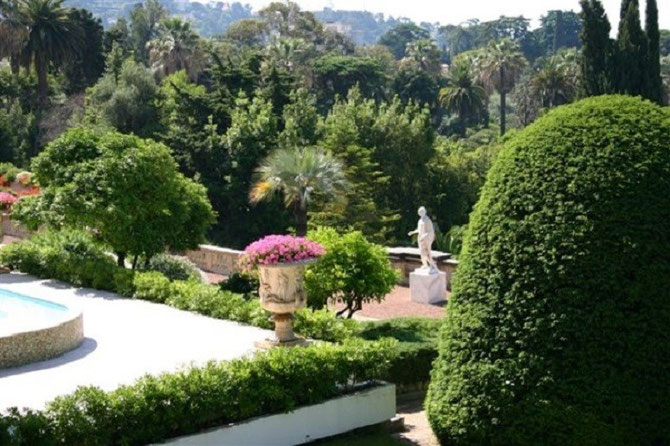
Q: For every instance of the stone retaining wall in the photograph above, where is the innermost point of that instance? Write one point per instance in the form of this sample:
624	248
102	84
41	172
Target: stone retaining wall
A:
215	259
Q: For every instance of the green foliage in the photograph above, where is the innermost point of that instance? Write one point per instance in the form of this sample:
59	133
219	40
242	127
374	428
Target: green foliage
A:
400	36
416	350
457	173
353	271
298	173
385	175
173	267
71	256
241	283
152	286
159	407
125	99
551	335
336	75
126	188
87	64
632	53
324	325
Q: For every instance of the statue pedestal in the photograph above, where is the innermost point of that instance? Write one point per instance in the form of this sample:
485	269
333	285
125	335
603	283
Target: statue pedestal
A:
427	287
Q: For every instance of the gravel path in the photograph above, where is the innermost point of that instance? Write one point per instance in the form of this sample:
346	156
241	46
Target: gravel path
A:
124	339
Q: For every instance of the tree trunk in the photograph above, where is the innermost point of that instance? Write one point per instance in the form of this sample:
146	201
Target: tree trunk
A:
15	64
42	82
300	214
503	100
121	259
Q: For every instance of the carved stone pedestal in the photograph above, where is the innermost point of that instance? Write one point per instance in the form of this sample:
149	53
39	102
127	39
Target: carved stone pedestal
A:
284	336
427	286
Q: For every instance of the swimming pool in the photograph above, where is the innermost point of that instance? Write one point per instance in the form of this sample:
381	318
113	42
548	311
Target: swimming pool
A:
33	329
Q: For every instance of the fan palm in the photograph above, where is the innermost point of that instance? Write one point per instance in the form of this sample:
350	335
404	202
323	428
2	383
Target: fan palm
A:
298	173
177	47
499	66
425	53
462	95
52	37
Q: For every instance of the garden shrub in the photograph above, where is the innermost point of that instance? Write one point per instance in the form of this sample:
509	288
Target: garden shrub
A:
416	349
159	407
71	256
558	325
173	267
152	286
242	283
352	271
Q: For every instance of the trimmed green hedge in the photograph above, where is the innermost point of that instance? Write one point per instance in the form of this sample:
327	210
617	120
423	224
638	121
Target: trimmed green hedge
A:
159	407
416	349
558	328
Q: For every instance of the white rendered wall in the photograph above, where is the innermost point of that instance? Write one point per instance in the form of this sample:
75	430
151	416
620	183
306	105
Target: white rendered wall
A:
333	417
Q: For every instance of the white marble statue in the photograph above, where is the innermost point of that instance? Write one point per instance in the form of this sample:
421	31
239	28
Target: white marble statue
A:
425	238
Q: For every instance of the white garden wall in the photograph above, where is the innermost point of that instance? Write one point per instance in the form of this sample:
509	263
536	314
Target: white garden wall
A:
305	424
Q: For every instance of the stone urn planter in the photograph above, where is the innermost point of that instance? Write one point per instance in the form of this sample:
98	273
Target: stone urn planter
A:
282	293
280	261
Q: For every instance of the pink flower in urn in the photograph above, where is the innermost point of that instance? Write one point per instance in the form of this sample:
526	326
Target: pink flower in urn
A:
275	249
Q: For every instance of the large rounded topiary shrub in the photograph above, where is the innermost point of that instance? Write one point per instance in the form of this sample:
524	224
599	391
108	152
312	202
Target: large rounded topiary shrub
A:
558	331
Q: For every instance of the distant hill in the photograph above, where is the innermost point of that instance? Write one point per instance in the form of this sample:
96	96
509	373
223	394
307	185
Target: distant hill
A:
210	19
213	18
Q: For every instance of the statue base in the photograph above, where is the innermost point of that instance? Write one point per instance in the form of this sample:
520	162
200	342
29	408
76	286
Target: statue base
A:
427	286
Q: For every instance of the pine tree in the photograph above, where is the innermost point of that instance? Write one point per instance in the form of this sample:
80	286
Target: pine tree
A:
597	50
655	84
632	65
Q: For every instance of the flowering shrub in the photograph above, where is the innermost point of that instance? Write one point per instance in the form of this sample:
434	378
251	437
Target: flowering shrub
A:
33	190
7	200
280	249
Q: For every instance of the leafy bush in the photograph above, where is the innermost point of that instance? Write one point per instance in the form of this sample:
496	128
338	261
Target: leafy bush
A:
173	267
324	325
159	407
352	271
242	283
416	350
71	256
558	325
152	286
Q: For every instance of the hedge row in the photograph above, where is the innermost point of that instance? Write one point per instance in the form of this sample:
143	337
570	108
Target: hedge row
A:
74	257
159	407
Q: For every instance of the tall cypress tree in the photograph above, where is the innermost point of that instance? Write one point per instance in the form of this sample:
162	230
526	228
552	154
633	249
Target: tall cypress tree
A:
655	84
596	50
632	54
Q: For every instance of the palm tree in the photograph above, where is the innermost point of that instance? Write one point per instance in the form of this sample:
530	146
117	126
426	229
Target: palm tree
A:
499	66
177	47
463	95
13	34
426	54
298	172
552	84
52	37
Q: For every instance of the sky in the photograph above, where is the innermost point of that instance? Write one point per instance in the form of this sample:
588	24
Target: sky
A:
457	11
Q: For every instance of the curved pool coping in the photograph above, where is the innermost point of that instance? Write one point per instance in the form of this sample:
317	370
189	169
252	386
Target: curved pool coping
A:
44	342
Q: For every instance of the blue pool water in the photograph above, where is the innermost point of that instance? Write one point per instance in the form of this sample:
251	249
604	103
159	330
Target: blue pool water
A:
17	308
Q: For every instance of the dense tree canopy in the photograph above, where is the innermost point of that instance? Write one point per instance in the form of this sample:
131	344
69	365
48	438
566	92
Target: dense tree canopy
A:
126	189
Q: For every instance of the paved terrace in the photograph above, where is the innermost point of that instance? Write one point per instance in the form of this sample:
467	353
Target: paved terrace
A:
124	339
